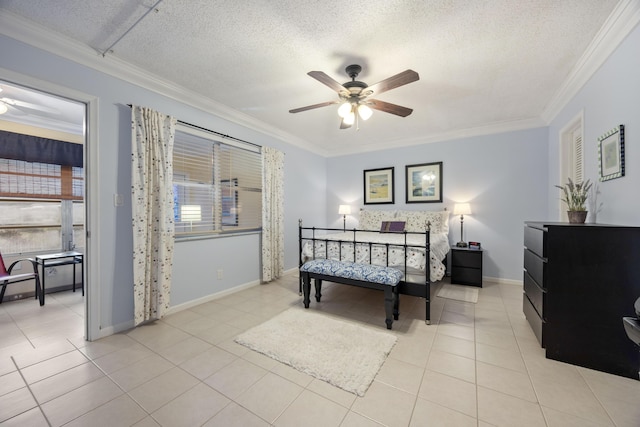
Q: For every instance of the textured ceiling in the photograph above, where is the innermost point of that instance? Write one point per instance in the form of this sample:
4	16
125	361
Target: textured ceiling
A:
481	63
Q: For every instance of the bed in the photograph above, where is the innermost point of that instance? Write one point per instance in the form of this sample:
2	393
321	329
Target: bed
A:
423	235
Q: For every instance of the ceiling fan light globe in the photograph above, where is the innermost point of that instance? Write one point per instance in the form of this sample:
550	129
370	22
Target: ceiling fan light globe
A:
350	118
344	110
365	112
3	108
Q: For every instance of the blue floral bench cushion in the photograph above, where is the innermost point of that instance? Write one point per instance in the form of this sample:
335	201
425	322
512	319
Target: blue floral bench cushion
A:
352	270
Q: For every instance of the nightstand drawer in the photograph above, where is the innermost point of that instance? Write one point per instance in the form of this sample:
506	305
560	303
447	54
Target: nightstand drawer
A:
471	259
466	276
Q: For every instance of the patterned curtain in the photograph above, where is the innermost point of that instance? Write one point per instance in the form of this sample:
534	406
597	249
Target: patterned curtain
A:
152	207
272	214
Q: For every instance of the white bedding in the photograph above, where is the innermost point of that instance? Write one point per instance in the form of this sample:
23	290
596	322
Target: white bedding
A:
415	258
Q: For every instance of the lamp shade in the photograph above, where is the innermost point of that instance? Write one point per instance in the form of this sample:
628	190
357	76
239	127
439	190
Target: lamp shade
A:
462	209
364	111
344	109
344	210
191	213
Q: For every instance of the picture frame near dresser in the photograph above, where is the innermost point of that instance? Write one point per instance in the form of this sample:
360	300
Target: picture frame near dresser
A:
611	154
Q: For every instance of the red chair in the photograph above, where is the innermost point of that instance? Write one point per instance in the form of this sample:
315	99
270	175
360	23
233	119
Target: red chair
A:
6	278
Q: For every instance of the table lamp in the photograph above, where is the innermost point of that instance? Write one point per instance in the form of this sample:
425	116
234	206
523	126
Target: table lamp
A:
461	209
191	213
344	210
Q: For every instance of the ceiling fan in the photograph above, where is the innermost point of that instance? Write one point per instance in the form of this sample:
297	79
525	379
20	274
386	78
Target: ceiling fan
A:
18	107
354	95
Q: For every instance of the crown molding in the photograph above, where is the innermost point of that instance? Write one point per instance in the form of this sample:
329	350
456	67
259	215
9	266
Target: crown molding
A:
26	31
622	20
489	129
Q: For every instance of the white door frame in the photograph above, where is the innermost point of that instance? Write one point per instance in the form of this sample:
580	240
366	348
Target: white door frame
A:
92	208
566	155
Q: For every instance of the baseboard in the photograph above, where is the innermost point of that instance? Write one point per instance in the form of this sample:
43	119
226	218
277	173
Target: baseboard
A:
114	329
187	305
501	281
31	294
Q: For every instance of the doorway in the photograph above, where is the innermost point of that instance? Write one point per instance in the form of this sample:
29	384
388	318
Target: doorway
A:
43	195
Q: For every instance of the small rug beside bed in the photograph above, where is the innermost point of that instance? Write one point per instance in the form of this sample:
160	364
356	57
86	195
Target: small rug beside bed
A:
340	353
459	293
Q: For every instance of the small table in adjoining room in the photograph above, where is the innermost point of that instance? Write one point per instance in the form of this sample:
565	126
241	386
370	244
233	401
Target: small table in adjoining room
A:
57	259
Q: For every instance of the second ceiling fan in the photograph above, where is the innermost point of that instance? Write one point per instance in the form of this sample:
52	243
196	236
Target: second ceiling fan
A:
354	95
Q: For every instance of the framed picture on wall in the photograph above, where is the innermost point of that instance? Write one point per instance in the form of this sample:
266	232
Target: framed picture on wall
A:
424	183
611	154
378	186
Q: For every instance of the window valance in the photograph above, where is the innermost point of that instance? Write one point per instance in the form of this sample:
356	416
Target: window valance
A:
36	149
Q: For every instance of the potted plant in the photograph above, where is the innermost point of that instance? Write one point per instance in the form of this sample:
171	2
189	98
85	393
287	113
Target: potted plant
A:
575	196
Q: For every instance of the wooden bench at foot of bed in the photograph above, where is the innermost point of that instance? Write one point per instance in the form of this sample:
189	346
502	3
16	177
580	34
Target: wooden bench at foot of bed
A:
350	273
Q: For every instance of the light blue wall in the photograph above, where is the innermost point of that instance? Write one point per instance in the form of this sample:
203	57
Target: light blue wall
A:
610	98
508	178
502	176
195	263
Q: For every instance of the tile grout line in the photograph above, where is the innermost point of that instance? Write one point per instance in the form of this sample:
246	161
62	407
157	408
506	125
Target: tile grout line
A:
110	379
30	391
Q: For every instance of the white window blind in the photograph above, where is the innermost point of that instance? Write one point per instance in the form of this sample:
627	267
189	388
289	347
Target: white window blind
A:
578	160
217	186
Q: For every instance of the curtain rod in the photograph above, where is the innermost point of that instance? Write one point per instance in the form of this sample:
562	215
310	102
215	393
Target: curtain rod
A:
214	132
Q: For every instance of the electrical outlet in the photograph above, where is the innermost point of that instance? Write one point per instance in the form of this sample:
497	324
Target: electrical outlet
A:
117	200
220	274
51	271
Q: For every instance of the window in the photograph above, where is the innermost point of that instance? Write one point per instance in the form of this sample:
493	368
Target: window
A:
217	185
41	207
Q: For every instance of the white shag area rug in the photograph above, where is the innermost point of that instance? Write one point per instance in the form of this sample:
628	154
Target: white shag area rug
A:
457	292
341	353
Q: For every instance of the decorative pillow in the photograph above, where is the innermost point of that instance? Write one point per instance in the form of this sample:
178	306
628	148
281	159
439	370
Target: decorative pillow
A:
417	220
372	220
392	227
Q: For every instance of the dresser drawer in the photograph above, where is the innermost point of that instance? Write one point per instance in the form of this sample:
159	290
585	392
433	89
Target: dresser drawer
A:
535	294
535	266
534	240
532	317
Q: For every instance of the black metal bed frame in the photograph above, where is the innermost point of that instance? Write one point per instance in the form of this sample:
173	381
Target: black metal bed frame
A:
421	290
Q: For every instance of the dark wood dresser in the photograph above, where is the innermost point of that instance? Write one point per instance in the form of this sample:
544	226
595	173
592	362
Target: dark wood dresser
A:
579	281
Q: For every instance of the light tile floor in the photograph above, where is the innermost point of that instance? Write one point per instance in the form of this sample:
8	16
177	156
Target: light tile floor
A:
475	365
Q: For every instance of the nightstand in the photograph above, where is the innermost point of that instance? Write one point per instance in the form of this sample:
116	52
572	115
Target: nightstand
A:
466	266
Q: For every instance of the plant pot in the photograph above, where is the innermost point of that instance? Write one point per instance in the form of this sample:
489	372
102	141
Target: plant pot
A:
577	217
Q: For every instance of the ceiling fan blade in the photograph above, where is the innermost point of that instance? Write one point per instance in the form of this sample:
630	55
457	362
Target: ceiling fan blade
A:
311	107
388	107
344	125
326	80
401	79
